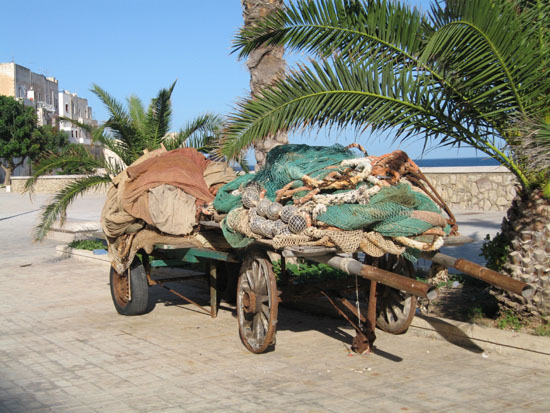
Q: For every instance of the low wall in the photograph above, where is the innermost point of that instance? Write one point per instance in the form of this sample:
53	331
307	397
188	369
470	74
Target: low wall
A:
480	188
49	184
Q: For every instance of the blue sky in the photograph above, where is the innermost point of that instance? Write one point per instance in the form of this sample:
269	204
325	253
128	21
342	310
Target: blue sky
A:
138	47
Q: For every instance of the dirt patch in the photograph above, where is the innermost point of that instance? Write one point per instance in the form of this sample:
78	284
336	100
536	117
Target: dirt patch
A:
473	303
462	303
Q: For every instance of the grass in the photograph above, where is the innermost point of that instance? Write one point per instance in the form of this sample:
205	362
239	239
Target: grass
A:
475	314
542	330
306	271
88	244
509	321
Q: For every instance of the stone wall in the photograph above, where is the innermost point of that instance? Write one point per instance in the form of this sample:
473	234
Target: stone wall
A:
480	188
48	184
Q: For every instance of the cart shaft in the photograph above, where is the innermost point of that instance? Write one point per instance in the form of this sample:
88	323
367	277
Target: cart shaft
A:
369	272
482	273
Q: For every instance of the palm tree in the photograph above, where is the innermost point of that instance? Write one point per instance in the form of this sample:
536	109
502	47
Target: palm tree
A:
266	65
470	72
127	133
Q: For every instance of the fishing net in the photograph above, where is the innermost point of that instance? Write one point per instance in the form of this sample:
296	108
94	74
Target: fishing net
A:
289	163
226	200
365	203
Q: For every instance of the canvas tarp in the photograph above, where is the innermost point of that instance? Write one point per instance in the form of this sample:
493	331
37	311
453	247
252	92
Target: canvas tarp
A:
172	210
159	192
182	168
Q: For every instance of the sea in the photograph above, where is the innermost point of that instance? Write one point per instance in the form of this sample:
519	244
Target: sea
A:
426	163
423	163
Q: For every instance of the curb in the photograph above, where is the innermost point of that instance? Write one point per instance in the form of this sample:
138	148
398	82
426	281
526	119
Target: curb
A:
483	339
65	251
74	230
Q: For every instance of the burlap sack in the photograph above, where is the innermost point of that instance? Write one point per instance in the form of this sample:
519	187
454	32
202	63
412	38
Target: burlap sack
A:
172	210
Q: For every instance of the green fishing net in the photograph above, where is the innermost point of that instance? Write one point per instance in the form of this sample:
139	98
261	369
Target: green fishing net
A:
387	212
288	163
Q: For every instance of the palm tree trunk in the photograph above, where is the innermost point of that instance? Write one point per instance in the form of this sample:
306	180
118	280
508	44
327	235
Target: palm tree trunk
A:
526	231
266	64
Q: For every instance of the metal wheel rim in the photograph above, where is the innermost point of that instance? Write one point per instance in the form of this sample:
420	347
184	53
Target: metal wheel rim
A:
121	289
256	325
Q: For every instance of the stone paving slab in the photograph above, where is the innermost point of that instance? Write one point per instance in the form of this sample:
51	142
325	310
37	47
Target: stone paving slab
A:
63	348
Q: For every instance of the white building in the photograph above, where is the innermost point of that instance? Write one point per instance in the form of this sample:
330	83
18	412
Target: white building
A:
76	108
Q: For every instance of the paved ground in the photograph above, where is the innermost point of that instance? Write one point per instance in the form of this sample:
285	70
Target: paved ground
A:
63	348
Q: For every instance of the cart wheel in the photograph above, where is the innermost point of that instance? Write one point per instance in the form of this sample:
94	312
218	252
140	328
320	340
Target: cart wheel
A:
120	290
395	309
257	303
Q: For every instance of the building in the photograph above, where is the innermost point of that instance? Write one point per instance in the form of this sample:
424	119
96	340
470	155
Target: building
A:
33	89
42	93
76	108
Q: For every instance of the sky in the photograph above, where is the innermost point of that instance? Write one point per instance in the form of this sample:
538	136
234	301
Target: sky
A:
141	46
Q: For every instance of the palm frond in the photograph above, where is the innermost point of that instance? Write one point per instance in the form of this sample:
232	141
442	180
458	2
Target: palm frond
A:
346	28
57	208
76	157
157	119
136	111
355	32
115	108
490	51
85	126
202	133
120	124
377	96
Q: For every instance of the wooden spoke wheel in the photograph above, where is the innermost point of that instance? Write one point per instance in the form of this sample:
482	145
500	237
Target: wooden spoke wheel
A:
395	309
126	303
257	303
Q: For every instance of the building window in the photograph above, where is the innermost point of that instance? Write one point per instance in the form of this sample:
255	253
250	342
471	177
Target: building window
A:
66	107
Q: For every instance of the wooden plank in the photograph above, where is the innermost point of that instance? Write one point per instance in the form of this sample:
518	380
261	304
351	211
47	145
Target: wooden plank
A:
167	273
173	262
191	255
213	290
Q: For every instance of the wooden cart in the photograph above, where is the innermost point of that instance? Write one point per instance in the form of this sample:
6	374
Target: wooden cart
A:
389	282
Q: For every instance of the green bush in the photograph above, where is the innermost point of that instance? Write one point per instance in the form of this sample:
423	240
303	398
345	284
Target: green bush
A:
88	244
307	271
495	251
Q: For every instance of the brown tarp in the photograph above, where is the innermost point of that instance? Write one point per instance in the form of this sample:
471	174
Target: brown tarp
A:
218	173
161	189
123	249
182	168
115	220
